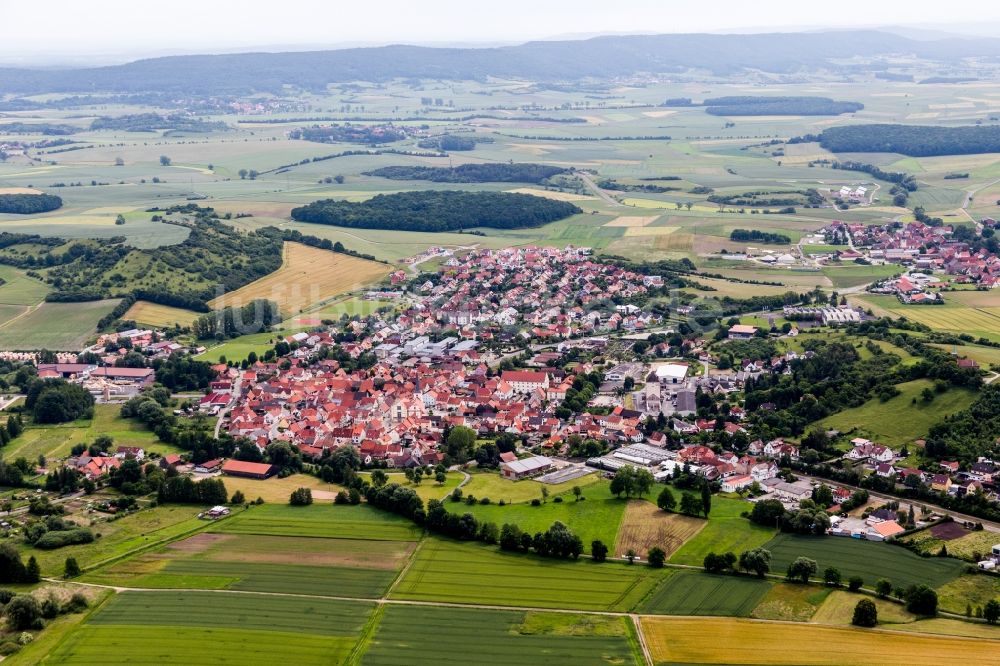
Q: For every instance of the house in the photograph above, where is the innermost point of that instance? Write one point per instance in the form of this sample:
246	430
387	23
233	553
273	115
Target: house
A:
526	468
941	483
170	460
209	466
736	483
127	451
525	381
742	332
508	456
248	470
888	529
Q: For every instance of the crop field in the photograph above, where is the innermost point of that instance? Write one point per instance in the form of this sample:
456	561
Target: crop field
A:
736	641
470	573
217	628
895	422
277	490
159	316
327	521
19	289
644	525
54	326
790	602
419	636
954	317
698	593
307	275
596	517
867	559
726	531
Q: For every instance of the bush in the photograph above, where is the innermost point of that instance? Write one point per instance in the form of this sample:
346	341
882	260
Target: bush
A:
921	600
855	583
656	557
24	612
865	614
536	502
76	604
72	569
301	497
598	551
8	648
60	538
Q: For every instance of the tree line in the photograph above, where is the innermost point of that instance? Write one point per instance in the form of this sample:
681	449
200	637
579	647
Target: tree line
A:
486	172
756	236
750	105
912	140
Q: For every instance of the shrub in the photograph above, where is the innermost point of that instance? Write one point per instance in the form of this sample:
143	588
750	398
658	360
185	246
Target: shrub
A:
301	497
656	557
60	538
855	583
24	612
76	604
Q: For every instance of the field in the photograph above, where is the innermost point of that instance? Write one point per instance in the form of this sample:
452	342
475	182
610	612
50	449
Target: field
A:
19	289
307	276
54	326
239	348
745	642
494	486
697	593
159	316
897	421
839	609
726	531
867	559
972	546
474	574
326	521
277	490
644	525
790	602
974	589
953	316
205	627
419	636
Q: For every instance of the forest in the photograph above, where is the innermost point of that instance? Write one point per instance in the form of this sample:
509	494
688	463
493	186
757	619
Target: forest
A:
778	106
29	204
151	122
912	140
369	135
757	236
438	210
495	172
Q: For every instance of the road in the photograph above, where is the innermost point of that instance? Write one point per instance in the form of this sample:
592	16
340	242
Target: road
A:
237	386
592	186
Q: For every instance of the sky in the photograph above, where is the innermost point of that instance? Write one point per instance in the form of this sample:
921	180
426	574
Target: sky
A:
109	29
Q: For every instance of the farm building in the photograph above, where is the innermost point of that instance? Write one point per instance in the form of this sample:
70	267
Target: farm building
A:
523	469
249	470
742	332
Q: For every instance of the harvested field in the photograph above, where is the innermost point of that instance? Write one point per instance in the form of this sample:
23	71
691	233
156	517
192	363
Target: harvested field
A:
632	221
558	196
199	543
728	641
632	232
19	190
644	525
307	275
160	316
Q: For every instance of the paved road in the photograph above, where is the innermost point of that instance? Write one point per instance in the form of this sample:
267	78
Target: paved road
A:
592	186
237	384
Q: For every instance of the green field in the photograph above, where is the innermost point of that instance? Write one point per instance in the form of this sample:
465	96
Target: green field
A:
19	289
206	627
327	521
697	593
867	559
470	573
495	487
726	531
54	326
418	636
899	420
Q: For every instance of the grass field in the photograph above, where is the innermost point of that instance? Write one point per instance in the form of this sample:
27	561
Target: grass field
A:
204	627
698	593
644	525
974	589
239	348
954	316
839	609
277	490
54	326
745	642
867	559
726	531
972	547
307	275
898	421
494	486
19	289
430	636
159	316
790	602
328	521
470	573
428	488
596	517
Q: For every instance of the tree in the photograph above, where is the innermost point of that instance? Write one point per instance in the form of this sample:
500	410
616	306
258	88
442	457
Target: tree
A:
715	563
379	478
656	557
238	498
72	569
577	492
440	476
243	174
666	500
757	560
855	583
801	569
921	600
883	588
690	504
630	555
459	444
23	612
991	611
832	577
767	512
865	614
598	551
164	160
301	497
706	499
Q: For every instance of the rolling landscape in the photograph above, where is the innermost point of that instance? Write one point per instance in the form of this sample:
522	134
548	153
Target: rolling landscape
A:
664	349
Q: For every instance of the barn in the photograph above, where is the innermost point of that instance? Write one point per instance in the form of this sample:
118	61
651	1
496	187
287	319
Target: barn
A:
248	470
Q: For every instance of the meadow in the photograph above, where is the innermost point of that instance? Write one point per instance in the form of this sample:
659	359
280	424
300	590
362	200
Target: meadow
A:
54	326
726	531
494	486
277	490
791	602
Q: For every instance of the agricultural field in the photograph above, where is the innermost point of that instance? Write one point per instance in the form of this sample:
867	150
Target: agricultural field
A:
19	289
791	602
725	531
505	638
839	609
307	276
899	420
474	574
159	316
867	559
747	642
277	490
325	521
206	627
954	316
53	326
644	526
698	593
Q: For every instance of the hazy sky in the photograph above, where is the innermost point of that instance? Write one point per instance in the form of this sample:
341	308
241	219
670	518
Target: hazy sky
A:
67	28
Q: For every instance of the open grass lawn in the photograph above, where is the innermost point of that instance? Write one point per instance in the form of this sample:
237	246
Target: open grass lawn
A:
431	636
725	531
494	486
699	593
239	348
160	316
868	559
898	421
853	275
428	488
215	628
445	570
972	589
120	537
307	275
277	490
596	517
791	602
328	521
839	609
56	441
55	326
745	642
644	526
